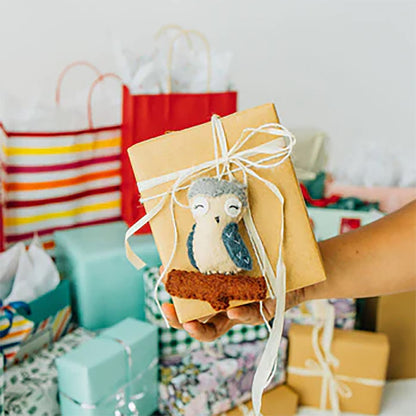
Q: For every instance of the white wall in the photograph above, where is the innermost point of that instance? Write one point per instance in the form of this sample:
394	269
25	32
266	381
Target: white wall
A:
346	66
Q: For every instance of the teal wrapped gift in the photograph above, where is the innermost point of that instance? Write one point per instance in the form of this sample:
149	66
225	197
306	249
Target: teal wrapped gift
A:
114	372
106	287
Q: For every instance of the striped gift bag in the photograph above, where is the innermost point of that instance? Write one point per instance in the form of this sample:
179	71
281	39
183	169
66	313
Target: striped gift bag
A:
55	180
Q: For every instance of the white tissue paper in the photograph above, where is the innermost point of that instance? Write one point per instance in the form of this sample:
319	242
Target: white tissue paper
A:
375	165
39	113
194	69
25	275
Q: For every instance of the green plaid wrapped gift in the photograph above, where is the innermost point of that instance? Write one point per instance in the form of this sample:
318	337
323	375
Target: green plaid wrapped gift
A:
174	342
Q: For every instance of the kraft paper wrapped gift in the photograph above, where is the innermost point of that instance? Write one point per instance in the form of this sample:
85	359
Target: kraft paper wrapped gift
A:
38	324
105	286
280	401
112	372
176	151
358	364
396	317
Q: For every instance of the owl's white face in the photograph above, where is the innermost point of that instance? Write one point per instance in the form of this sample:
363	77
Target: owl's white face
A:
218	211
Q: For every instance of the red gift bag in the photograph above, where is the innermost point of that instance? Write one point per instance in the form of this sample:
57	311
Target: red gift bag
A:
147	116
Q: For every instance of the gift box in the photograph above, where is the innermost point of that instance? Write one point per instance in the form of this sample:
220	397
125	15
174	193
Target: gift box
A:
93	260
113	372
280	401
37	324
31	386
396	317
327	223
345	314
212	380
178	342
166	159
345	373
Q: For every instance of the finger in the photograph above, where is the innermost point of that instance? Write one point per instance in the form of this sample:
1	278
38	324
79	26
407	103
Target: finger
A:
250	314
214	328
170	313
201	332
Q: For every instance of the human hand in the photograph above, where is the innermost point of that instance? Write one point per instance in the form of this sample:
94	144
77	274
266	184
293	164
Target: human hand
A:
222	322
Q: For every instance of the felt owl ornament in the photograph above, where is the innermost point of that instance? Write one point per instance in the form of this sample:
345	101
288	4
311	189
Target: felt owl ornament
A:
215	244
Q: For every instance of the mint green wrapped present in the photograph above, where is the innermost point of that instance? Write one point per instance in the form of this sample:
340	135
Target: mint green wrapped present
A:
106	287
115	373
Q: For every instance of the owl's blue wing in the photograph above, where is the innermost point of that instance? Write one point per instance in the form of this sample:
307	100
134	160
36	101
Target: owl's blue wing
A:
236	247
190	246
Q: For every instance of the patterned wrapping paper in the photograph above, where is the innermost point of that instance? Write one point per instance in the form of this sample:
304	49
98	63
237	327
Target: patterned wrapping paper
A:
345	314
174	342
31	388
213	380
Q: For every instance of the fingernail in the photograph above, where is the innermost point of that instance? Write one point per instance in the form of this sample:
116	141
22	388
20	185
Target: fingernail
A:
231	314
188	328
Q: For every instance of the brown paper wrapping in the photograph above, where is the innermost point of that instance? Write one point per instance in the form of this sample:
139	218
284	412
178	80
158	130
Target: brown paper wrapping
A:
280	401
184	149
396	317
361	354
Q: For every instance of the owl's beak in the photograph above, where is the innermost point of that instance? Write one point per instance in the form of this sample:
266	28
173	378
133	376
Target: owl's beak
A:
217	219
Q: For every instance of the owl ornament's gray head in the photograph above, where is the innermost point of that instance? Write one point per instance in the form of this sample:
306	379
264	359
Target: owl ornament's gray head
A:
218	200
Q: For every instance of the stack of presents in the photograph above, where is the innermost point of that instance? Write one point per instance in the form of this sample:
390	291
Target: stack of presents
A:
81	332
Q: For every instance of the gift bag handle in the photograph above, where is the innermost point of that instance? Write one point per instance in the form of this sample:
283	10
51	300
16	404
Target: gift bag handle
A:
62	75
187	34
97	81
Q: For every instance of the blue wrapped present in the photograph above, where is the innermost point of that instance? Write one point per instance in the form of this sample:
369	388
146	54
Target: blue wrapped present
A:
106	287
114	372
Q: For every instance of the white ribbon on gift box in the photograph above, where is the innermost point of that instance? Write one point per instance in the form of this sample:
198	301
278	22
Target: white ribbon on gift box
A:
332	383
123	398
275	152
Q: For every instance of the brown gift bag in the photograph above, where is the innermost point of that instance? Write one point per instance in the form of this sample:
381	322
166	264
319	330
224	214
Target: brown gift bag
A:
349	377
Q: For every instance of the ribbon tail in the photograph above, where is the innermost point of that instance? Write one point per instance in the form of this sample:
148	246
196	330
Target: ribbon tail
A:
270	354
134	259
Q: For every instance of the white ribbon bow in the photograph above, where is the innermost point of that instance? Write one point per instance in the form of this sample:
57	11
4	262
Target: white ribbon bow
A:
332	383
227	162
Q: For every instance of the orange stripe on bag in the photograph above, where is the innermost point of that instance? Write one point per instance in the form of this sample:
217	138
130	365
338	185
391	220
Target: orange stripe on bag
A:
17	333
34	186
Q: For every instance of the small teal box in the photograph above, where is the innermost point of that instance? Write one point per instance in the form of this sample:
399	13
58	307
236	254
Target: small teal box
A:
98	377
106	288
